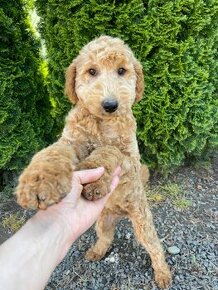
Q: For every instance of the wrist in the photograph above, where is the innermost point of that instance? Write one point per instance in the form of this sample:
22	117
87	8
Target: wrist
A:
53	225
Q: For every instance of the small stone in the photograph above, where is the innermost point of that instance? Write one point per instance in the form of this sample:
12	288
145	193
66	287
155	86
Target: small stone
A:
67	272
173	250
110	259
128	236
199	187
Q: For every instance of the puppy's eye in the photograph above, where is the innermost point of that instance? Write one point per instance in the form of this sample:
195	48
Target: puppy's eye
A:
121	71
92	71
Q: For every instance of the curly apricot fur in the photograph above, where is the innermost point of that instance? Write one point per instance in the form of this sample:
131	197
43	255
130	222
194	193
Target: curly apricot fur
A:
93	137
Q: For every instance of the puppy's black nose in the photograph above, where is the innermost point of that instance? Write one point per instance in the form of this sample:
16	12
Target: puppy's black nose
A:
110	105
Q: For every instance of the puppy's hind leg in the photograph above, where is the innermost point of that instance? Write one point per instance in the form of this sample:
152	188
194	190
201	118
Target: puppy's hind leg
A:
144	172
142	221
105	228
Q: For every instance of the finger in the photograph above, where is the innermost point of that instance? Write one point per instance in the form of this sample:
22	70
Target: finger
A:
114	183
117	171
88	175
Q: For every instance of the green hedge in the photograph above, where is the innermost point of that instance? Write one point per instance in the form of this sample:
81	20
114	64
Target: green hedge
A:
176	42
25	122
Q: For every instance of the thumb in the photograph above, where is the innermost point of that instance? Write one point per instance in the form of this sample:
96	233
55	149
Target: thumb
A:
83	177
88	175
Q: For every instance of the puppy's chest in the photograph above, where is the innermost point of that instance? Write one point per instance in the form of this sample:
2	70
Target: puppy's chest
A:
120	138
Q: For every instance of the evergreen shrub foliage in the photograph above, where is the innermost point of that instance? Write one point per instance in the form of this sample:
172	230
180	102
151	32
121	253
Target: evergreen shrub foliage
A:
176	41
24	105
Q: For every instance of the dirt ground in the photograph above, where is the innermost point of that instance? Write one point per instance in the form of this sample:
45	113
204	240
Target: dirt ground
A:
185	211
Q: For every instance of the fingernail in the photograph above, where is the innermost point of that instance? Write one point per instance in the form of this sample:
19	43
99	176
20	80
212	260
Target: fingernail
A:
101	169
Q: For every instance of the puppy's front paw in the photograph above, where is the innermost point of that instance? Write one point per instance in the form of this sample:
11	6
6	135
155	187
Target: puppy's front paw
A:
95	190
41	187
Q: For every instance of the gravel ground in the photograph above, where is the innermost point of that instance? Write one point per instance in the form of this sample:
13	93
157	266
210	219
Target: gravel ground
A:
193	231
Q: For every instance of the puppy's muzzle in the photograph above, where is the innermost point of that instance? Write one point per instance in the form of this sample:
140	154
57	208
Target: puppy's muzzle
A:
110	105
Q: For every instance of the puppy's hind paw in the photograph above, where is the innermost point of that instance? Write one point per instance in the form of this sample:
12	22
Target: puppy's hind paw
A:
163	278
92	255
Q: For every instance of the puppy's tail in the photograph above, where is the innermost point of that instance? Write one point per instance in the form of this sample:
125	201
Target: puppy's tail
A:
144	174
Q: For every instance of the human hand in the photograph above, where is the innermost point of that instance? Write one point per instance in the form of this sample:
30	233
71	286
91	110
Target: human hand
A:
42	243
74	210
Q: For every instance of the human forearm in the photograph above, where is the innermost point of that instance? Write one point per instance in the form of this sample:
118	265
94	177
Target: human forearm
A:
37	249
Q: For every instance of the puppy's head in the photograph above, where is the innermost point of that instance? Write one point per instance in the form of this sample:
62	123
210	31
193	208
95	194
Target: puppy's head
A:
105	77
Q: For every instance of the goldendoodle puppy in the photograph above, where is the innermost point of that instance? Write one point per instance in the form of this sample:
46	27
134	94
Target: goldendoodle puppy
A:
103	82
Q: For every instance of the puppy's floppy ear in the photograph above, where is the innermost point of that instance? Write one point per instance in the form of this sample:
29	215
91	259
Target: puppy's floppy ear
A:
139	80
70	83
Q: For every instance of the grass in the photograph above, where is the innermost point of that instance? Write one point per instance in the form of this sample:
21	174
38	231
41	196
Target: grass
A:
13	222
154	195
172	191
182	203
